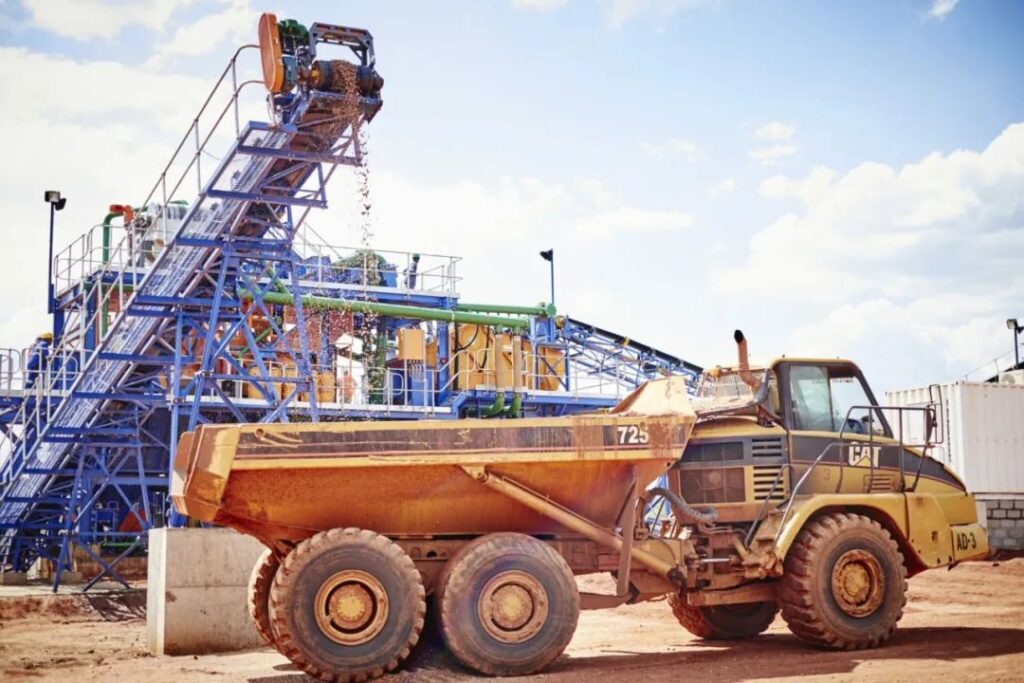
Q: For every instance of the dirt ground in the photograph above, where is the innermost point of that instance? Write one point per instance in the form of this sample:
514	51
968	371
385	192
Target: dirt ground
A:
960	625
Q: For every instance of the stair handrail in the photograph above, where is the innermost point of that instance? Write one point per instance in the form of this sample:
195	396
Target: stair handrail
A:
125	247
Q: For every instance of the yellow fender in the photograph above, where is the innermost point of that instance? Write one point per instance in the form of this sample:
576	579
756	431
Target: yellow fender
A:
917	521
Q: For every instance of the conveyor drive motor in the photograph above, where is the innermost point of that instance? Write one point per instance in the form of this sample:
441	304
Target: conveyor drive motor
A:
288	53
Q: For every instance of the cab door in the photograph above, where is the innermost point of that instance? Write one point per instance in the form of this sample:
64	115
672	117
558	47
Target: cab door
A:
828	408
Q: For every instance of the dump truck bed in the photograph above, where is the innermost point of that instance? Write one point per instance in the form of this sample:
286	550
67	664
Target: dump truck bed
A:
289	481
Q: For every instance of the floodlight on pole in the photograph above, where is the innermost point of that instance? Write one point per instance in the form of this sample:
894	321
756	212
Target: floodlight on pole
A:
57	203
1012	324
549	256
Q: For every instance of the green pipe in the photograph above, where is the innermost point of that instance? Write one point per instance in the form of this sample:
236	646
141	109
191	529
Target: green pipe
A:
259	337
106	259
392	310
541	310
517	403
106	235
495	408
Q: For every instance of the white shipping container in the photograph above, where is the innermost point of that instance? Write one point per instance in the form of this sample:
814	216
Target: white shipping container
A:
983	430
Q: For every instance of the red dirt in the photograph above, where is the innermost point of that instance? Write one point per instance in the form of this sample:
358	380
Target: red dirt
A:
965	624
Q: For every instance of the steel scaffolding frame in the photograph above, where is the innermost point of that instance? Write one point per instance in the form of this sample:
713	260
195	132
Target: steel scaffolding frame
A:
74	445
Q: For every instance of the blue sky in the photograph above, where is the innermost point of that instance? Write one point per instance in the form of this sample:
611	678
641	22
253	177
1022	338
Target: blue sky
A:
835	178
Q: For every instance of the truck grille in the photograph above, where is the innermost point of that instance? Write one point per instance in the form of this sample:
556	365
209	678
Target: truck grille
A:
764	477
881	483
718	485
767	447
721	451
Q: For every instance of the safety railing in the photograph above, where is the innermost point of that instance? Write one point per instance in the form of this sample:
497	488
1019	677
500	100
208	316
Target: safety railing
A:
408	384
932	427
85	259
39	386
333	387
12	370
324	264
118	269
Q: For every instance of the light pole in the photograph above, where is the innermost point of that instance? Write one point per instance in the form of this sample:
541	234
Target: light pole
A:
1012	324
549	256
56	202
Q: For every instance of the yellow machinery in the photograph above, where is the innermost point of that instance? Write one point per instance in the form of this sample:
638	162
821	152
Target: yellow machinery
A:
784	488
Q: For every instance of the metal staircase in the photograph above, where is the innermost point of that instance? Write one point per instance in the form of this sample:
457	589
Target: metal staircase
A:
88	429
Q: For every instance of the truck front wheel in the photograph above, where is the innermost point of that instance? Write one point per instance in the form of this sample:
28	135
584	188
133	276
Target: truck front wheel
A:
844	584
508	605
347	605
260	580
724	622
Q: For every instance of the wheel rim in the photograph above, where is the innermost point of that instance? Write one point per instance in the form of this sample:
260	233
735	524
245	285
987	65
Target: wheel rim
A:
351	607
858	583
513	607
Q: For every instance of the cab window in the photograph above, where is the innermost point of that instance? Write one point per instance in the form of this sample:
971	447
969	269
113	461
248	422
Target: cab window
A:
812	401
822	399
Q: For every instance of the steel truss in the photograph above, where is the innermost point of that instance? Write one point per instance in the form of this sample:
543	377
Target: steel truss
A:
107	436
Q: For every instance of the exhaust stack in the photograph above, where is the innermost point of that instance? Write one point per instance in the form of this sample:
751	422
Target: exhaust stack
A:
744	362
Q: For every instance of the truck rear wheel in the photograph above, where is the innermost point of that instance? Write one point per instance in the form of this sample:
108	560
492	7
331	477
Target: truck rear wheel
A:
347	605
508	605
260	580
724	622
844	585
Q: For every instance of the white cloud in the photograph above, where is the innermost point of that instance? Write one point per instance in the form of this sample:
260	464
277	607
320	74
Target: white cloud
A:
497	226
514	209
770	155
619	12
538	5
780	136
775	131
683	148
721	188
781	187
940	8
89	19
235	23
629	219
920	263
170	100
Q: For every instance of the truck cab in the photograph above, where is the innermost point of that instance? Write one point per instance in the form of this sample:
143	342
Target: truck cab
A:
799	429
798	453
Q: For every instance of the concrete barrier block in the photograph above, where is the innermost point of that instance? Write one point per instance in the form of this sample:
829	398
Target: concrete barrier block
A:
13	578
197	596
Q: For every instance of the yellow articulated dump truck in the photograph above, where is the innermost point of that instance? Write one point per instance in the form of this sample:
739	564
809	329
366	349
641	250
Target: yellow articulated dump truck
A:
783	488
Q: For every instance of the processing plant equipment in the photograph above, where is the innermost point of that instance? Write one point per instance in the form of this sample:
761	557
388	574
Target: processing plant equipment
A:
214	300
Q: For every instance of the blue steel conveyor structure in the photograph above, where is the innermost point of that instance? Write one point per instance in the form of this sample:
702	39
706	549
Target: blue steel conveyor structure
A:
227	306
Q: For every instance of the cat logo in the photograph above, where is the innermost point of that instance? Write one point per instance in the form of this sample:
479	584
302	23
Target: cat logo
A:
863	455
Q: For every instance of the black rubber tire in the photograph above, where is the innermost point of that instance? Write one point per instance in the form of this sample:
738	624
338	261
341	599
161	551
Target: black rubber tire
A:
313	562
808	603
260	580
725	622
460	586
